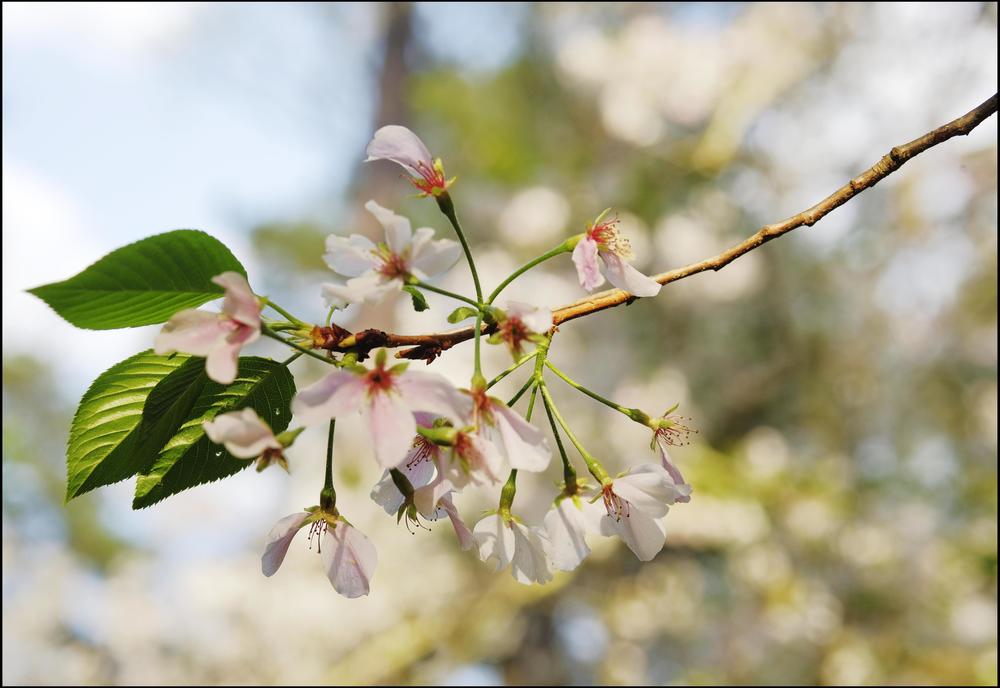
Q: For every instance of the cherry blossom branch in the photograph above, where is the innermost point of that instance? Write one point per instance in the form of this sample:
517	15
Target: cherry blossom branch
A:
428	346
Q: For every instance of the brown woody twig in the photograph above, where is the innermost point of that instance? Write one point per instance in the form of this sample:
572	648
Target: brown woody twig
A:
429	346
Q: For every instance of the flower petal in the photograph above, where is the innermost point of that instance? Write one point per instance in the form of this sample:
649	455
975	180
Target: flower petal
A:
683	488
427	498
462	532
494	541
648	487
524	445
240	304
337	394
587	269
278	541
192	332
400	145
566	528
626	277
430	258
387	495
349	559
392	427
243	433
349	256
398	231
531	561
433	393
534	318
643	534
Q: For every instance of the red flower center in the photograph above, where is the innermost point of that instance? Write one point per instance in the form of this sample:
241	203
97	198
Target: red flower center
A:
615	505
379	380
432	181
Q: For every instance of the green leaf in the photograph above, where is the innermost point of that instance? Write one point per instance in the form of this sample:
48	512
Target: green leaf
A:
419	300
143	283
104	435
461	313
189	458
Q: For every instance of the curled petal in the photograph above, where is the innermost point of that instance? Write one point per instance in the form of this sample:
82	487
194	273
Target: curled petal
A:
398	231
401	146
278	541
349	559
626	277
392	426
243	433
587	269
462	532
683	488
241	303
349	256
337	394
494	541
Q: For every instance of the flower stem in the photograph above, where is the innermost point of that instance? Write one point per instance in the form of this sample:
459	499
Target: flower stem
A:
569	473
328	497
517	364
445	292
447	207
274	335
558	250
593	465
291	358
635	414
520	393
288	316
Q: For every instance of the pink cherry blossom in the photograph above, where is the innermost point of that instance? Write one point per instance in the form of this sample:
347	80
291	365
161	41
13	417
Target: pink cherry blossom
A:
403	147
431	491
507	541
246	436
521	444
348	556
218	337
387	399
603	240
521	322
637	505
473	460
567	524
673	432
378	269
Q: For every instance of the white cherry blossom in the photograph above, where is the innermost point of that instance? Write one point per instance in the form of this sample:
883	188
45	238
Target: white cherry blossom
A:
387	398
637	504
218	337
506	541
349	557
603	244
403	147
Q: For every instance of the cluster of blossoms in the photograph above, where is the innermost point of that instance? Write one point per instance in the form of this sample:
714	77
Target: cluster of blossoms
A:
431	438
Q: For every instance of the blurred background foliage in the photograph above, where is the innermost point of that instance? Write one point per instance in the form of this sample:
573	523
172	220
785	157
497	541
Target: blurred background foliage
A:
843	379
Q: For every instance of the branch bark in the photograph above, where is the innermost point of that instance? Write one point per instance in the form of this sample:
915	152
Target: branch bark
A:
428	346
